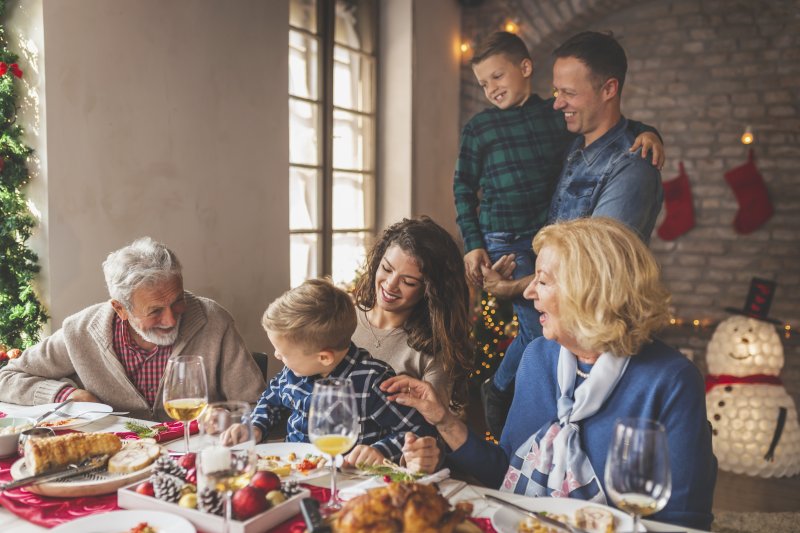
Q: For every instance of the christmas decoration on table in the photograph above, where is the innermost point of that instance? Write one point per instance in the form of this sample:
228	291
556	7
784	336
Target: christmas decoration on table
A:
6	356
142	431
21	313
494	327
754	420
678	203
755	207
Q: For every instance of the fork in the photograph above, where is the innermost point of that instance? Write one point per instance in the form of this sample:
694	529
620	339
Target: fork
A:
82	413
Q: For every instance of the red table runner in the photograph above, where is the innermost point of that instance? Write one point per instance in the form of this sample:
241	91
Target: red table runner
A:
50	512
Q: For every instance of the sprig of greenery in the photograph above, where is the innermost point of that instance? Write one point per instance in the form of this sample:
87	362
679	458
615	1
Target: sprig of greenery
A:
142	431
393	471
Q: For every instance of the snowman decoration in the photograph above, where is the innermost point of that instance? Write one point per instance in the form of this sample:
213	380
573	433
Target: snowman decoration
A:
754	420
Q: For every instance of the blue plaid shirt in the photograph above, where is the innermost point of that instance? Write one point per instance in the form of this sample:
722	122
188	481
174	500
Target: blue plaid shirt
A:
383	422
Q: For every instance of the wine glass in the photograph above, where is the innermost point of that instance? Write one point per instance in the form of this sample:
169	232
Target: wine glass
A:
638	477
185	390
333	425
226	464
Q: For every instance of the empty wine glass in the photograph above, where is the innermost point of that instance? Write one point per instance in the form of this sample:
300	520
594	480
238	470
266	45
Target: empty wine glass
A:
333	425
185	390
638	477
221	464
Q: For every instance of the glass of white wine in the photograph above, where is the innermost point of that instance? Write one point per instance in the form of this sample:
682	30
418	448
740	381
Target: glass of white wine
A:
333	425
638	477
221	464
185	390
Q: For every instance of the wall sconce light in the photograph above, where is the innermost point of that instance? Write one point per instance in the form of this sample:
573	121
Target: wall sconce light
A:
747	136
511	26
465	46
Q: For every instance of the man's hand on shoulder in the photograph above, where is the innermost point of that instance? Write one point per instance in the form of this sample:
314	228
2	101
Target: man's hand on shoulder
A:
473	260
650	143
81	395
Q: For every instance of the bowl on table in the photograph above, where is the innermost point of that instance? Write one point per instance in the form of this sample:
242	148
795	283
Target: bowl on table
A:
10	429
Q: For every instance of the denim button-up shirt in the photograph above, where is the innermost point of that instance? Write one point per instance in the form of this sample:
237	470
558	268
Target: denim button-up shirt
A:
605	179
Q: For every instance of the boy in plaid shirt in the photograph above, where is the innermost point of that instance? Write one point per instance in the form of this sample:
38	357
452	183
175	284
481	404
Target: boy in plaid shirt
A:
310	327
509	161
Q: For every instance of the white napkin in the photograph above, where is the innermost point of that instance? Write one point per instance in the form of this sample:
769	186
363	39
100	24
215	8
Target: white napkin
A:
360	488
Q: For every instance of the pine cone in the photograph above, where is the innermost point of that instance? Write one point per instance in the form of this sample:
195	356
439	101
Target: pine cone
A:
168	465
210	501
166	487
290	488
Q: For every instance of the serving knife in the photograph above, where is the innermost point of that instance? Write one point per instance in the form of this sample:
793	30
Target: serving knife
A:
90	465
539	516
48	413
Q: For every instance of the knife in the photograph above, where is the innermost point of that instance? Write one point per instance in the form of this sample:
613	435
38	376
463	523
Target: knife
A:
50	412
539	516
90	465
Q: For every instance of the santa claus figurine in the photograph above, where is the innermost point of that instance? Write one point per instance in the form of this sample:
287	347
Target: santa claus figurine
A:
753	418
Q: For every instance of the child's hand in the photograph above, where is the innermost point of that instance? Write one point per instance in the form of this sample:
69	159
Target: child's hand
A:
238	433
421	454
364	455
472	264
649	142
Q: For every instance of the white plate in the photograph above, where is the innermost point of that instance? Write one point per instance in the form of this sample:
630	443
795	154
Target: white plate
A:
92	484
506	519
283	449
72	408
123	521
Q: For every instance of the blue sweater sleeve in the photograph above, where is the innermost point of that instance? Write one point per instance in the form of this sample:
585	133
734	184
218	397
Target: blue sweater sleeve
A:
485	460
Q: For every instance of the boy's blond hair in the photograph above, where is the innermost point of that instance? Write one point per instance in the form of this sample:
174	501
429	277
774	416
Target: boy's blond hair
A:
315	315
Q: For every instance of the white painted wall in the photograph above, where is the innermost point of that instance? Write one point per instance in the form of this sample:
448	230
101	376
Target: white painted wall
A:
169	119
419	109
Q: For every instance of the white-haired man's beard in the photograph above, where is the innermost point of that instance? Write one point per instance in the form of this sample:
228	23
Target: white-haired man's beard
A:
157	335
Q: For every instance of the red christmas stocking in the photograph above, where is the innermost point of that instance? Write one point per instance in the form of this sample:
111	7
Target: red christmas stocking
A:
680	212
755	207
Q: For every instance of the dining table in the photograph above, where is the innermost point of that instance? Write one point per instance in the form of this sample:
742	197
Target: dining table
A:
454	490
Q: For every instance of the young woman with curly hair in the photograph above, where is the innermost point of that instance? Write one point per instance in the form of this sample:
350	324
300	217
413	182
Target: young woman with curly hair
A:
413	306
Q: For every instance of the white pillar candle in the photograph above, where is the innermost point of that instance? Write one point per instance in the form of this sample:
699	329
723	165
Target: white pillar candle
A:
215	459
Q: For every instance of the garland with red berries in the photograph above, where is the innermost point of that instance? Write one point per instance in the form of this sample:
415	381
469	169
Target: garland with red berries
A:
21	313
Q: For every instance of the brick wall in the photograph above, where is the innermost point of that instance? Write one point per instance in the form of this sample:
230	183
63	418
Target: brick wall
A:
700	71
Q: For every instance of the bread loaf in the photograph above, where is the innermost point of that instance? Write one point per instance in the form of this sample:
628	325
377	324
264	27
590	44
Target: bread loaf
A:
52	453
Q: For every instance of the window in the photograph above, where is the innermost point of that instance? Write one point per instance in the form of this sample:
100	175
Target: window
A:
332	86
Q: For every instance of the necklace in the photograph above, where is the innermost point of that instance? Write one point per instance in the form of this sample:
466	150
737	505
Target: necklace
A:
581	373
379	340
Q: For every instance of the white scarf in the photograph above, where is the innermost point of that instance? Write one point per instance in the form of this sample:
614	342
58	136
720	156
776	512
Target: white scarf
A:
551	462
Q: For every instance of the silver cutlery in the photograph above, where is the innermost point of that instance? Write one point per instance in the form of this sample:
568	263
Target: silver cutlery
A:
48	413
82	413
539	516
90	465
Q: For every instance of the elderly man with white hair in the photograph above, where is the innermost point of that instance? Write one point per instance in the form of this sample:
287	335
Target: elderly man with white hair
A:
115	352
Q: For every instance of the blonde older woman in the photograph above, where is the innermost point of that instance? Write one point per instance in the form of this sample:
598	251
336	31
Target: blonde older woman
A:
597	288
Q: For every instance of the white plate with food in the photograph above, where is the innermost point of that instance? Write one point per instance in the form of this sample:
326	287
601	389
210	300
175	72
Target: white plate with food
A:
128	463
126	522
509	520
292	461
88	411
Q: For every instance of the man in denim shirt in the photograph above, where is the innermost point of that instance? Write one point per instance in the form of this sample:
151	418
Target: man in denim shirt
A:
600	177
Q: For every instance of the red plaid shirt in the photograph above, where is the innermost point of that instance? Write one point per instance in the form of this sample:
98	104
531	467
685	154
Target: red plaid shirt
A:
144	368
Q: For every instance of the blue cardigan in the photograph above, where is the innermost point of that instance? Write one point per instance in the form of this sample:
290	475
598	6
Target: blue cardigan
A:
659	383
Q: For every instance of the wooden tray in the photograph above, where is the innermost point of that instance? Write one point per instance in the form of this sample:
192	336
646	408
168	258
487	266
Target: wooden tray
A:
128	498
92	484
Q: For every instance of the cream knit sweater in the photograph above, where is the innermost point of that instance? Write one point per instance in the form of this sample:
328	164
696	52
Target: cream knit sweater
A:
81	353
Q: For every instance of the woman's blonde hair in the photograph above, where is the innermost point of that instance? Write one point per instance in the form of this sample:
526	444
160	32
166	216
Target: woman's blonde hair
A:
609	293
316	315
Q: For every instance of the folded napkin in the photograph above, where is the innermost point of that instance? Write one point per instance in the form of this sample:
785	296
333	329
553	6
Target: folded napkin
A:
372	482
174	431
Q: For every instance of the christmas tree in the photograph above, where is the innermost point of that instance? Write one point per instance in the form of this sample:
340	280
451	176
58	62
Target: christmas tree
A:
21	313
494	327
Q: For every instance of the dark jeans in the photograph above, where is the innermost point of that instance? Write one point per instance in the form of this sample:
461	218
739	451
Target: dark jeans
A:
499	244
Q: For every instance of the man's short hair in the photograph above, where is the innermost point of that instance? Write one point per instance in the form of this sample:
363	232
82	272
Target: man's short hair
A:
316	315
501	42
143	263
600	52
